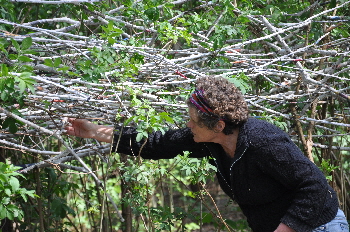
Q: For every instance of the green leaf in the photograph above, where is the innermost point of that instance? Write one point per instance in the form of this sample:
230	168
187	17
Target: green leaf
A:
4	95
3	178
63	69
13	56
14	183
26	43
29	80
241	82
22	86
333	4
5	200
128	120
139	137
31	193
57	62
15	212
7	122
8	192
3	44
243	19
57	206
31	88
3	166
117	32
110	60
4	70
48	62
152	13
16	112
24	59
2	212
24	196
25	75
9	215
13	128
127	3
16	45
166	117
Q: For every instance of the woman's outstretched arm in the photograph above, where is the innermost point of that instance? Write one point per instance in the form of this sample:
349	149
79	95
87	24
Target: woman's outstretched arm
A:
85	129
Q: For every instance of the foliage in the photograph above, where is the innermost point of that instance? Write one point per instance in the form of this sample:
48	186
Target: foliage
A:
8	82
195	170
10	191
147	118
138	60
175	173
241	81
328	168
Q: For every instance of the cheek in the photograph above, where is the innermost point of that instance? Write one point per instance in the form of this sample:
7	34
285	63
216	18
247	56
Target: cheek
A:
190	124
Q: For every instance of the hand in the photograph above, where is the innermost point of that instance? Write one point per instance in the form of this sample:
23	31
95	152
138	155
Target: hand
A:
81	128
284	228
84	129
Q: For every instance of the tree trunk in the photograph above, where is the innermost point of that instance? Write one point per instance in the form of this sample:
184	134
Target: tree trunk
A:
126	209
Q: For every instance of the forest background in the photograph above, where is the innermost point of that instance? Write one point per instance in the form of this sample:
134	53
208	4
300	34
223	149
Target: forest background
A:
134	63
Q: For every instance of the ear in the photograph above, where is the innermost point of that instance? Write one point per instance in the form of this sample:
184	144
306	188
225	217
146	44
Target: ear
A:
220	126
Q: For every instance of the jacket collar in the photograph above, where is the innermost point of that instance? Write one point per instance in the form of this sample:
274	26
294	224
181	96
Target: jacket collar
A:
216	150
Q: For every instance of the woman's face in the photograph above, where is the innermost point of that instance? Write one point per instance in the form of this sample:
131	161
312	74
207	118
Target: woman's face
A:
200	133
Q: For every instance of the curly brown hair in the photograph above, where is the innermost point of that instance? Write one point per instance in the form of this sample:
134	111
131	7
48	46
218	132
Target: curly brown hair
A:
226	101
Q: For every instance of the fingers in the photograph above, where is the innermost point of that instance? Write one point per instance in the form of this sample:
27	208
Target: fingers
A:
69	127
77	120
69	130
78	127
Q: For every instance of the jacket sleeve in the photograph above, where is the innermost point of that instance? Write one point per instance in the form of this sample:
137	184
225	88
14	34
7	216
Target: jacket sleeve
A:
281	159
157	145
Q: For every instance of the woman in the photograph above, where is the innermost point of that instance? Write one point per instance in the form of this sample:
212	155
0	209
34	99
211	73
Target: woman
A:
258	166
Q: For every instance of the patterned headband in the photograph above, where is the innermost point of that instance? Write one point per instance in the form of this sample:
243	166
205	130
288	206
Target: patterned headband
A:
198	100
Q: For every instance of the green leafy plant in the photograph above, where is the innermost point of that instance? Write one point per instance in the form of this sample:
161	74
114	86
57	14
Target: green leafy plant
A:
111	33
147	118
241	81
10	191
13	86
327	168
197	170
278	121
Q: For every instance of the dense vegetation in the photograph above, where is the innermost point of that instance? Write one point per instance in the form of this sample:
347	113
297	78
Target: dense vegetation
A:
134	63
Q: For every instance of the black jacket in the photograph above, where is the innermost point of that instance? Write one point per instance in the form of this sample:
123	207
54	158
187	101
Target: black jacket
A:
269	177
